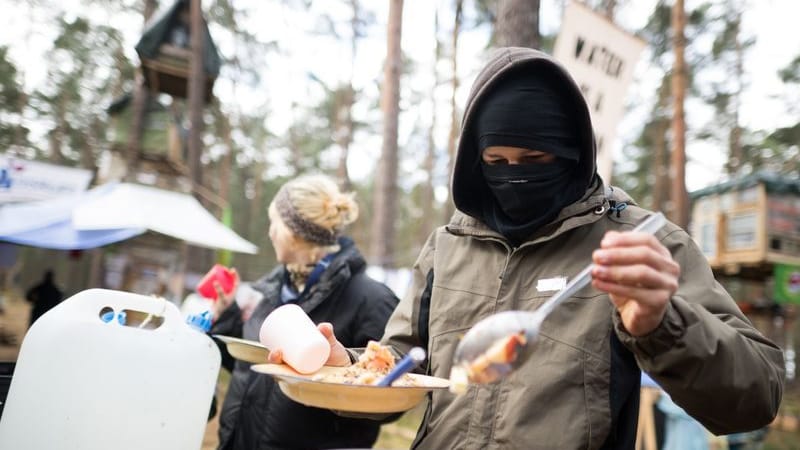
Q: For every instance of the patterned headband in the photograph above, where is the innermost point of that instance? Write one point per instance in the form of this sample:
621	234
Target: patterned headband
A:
299	225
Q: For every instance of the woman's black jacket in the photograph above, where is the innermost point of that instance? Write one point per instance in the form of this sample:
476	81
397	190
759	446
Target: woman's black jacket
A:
255	413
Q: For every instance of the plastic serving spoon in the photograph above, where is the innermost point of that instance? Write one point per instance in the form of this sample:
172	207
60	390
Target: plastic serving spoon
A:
412	359
500	343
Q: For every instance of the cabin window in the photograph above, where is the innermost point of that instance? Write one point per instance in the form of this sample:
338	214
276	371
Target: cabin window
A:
708	239
726	201
741	231
748	196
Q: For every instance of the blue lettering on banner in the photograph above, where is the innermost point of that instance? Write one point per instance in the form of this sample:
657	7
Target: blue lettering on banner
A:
5	179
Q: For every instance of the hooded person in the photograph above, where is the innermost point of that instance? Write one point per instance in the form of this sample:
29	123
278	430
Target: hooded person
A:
531	213
323	272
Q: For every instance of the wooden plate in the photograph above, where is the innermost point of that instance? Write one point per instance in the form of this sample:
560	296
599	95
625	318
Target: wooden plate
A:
350	397
242	349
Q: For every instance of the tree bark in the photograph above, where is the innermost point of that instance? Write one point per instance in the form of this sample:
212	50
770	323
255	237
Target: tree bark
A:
225	166
661	165
679	198
256	203
385	196
736	154
196	88
660	153
609	7
344	114
139	109
59	133
199	259
452	139
343	127
428	198
518	24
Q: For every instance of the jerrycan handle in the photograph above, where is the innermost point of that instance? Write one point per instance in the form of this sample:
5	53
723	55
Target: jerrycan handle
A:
91	302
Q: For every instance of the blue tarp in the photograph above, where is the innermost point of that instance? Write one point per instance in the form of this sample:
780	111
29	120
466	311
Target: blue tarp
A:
48	224
115	212
63	236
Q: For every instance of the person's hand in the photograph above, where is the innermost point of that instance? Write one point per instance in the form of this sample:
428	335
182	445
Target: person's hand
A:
639	275
224	301
338	356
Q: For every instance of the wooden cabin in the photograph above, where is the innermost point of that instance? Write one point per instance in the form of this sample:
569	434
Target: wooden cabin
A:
163	135
165	53
162	155
745	227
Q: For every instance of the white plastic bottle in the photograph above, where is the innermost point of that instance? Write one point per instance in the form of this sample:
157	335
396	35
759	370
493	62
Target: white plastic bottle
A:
290	329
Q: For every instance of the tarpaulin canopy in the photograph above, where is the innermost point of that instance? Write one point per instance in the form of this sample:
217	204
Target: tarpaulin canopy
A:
112	213
158	32
63	236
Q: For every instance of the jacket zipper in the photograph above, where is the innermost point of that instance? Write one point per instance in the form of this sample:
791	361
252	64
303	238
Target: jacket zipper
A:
509	252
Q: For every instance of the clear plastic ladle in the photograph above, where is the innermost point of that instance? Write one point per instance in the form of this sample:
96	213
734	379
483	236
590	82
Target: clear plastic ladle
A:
500	343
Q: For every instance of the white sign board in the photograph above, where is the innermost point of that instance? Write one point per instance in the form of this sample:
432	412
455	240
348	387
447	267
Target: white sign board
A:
22	180
601	57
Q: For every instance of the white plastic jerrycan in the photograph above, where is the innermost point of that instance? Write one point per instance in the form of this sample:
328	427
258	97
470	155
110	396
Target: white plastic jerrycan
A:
85	381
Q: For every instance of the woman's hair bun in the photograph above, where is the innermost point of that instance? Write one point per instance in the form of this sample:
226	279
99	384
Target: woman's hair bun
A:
318	199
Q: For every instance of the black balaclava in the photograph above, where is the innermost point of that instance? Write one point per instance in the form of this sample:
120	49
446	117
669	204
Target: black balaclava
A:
527	109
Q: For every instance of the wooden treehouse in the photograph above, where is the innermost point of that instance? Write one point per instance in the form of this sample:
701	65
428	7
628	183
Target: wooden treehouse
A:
749	229
165	53
161	158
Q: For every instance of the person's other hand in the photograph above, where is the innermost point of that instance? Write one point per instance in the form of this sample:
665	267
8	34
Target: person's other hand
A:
639	275
225	300
338	356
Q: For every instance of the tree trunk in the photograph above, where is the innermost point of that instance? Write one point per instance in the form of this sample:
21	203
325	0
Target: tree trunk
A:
295	148
452	139
736	157
139	109
226	163
661	163
385	196
660	153
609	7
195	97
199	259
518	23
343	127
138	105
344	114
88	158
428	199
54	139
679	198
256	203
58	135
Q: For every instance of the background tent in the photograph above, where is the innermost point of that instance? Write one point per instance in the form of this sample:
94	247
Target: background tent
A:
112	213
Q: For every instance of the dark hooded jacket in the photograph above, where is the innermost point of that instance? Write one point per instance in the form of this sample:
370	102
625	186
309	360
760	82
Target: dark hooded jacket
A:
579	389
255	413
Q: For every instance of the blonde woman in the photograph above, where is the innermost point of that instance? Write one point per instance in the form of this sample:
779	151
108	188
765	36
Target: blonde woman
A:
321	271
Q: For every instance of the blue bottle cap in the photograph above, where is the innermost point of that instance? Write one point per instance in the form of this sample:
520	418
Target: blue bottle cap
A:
109	316
200	321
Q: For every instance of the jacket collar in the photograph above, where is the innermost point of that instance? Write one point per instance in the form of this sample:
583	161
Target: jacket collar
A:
346	263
